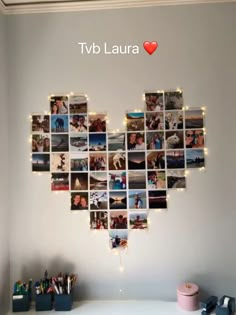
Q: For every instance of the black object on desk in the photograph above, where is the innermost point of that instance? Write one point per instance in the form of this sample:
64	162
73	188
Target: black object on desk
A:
226	308
63	302
43	302
21	303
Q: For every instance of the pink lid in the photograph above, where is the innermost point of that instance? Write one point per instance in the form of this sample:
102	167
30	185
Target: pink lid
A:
187	288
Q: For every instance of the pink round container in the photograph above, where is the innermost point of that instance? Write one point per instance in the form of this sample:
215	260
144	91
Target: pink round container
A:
187	296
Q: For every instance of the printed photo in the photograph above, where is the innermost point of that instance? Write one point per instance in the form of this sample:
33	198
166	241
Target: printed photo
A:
118	239
154	121
98	200
117	161
98	180
40	162
41	143
135	121
97	142
194	138
116	141
40	123
156	160
79	181
154	101
60	162
157	199
174	100
174	139
78	123
176	179
118	200
60	142
138	220
155	140
195	158
135	141
78	104
98	161
98	220
175	159
97	123
137	199
78	162
79	201
59	123
59	105
118	220
137	179
156	180
136	161
117	180
194	119
174	120
78	142
59	181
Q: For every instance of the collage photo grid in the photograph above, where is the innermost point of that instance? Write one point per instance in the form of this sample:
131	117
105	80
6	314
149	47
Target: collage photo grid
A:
118	176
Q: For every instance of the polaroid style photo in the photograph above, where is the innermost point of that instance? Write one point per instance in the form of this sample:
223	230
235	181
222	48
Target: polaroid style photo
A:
60	142
98	220
79	162
157	199
118	220
117	180
175	159
194	139
97	122
173	100
118	239
155	140
137	199
195	158
138	220
156	160
78	104
174	140
136	160
174	120
176	179
40	124
98	180
116	141
41	143
117	161
194	119
59	123
79	181
97	142
79	142
59	105
40	162
154	121
136	141
117	200
60	162
79	200
137	179
154	101
98	200
98	161
135	121
60	181
156	180
78	123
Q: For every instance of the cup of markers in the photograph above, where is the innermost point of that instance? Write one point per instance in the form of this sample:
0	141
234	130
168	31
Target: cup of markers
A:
44	294
21	297
63	285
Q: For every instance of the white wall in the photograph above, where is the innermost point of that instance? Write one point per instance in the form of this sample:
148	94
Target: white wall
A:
195	239
4	210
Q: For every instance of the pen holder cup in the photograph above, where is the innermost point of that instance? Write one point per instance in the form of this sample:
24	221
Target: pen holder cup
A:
43	302
20	303
63	302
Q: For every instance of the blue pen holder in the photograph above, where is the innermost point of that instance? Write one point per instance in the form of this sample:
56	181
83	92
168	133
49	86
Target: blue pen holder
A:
43	302
20	303
229	310
63	302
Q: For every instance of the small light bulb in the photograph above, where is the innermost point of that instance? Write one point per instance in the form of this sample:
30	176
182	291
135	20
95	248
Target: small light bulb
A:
121	268
187	107
71	93
120	290
143	97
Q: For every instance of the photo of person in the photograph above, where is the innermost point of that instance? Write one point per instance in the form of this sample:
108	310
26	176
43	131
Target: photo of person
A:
156	160
98	200
155	140
40	123
194	119
157	199
175	159
78	142
79	201
78	162
41	143
174	120
137	179
194	138
98	161
78	123
154	121
79	181
98	220
116	141
195	158
135	121
118	239
97	123
60	162
59	123
40	162
117	161
60	142
135	141
117	180
118	220
98	180
176	179
174	139
78	104
97	142
59	105
154	101
137	199
156	180
174	100
136	161
60	181
138	220
118	200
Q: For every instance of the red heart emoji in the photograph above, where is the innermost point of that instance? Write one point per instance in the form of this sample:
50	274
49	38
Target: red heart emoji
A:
150	47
